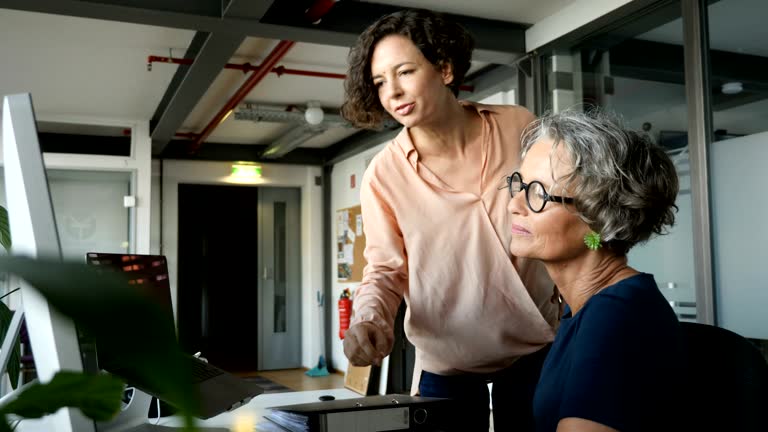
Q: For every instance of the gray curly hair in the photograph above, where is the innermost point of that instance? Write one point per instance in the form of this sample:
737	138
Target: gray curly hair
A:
624	186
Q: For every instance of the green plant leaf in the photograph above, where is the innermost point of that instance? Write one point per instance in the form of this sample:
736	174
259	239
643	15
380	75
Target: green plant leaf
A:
5	229
125	324
4	426
97	396
14	363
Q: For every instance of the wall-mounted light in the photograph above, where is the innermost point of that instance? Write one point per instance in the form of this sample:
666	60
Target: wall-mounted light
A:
245	170
314	113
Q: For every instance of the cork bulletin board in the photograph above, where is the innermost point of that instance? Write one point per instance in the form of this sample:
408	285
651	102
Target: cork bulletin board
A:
351	244
358	379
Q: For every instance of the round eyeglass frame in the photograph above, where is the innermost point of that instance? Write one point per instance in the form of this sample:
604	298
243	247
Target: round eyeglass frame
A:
527	187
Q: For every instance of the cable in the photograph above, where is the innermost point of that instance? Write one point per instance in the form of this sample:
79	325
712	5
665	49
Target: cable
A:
160	209
157	420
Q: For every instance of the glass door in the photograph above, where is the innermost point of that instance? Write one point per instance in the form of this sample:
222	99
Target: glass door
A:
279	278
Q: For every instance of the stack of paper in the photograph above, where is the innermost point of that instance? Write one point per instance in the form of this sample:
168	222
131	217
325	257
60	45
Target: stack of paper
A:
290	421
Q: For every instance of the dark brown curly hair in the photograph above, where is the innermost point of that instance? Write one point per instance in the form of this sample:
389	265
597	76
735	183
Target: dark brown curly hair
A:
441	42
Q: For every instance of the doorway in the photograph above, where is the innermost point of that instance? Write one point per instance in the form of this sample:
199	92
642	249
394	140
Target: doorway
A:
222	301
280	282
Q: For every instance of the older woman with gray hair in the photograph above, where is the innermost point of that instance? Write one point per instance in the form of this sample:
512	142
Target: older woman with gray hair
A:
588	190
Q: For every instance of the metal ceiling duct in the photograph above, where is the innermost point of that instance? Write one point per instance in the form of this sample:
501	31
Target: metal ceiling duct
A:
276	114
277	53
291	140
297	136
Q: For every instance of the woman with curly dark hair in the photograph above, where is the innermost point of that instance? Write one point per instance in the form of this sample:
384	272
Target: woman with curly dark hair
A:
436	226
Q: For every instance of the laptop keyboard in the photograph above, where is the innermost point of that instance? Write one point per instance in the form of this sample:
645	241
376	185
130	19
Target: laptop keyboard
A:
202	371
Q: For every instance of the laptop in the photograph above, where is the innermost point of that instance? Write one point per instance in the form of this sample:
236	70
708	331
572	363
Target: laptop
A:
219	391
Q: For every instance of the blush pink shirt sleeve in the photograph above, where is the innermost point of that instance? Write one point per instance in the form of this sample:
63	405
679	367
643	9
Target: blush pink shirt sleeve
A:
387	269
472	307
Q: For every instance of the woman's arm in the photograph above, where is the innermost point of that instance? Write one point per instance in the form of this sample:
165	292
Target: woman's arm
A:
385	277
575	424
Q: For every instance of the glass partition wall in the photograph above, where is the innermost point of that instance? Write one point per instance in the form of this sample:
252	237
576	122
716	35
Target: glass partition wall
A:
91	168
636	71
693	75
738	90
89	210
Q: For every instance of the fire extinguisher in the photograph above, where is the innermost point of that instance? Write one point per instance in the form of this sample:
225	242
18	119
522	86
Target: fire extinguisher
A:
345	311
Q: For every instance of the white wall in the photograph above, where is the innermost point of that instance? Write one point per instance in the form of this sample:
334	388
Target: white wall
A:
194	172
568	19
739	210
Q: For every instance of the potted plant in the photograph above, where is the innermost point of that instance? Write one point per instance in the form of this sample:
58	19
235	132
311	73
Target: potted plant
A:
96	301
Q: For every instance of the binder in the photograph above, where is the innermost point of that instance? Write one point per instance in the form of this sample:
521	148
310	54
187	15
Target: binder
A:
369	414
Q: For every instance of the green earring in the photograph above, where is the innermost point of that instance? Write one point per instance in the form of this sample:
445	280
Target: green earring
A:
592	240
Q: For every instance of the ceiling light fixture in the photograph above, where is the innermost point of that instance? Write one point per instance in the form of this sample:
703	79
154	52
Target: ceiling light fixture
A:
733	87
314	113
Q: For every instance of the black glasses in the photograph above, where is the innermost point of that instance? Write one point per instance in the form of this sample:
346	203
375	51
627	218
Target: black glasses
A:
535	194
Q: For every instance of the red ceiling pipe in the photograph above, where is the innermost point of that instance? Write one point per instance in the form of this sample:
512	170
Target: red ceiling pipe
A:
247	67
282	70
279	70
277	53
174	60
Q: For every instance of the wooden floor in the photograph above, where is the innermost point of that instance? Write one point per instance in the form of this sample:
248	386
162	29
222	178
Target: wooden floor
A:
295	379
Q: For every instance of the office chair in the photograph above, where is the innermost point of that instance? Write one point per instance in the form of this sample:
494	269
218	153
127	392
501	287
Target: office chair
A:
728	380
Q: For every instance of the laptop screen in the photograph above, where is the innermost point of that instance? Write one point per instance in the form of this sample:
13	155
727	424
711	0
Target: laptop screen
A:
148	272
218	391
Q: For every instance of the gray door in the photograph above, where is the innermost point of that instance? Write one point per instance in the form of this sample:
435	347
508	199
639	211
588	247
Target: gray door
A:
279	278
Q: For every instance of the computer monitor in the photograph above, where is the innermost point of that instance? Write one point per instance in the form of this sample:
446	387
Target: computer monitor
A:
149	273
218	391
33	231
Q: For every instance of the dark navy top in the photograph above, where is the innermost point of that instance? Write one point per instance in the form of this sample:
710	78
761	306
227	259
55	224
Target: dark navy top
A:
617	362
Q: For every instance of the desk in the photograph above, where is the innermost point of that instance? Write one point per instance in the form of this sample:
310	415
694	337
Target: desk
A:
255	409
259	405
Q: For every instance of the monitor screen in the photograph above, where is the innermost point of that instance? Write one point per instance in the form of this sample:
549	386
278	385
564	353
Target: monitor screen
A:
33	232
149	273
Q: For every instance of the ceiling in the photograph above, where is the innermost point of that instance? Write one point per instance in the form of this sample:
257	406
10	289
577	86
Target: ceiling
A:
89	60
505	10
736	26
649	75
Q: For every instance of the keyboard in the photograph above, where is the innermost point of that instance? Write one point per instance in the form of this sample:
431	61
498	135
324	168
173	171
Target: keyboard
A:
201	370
